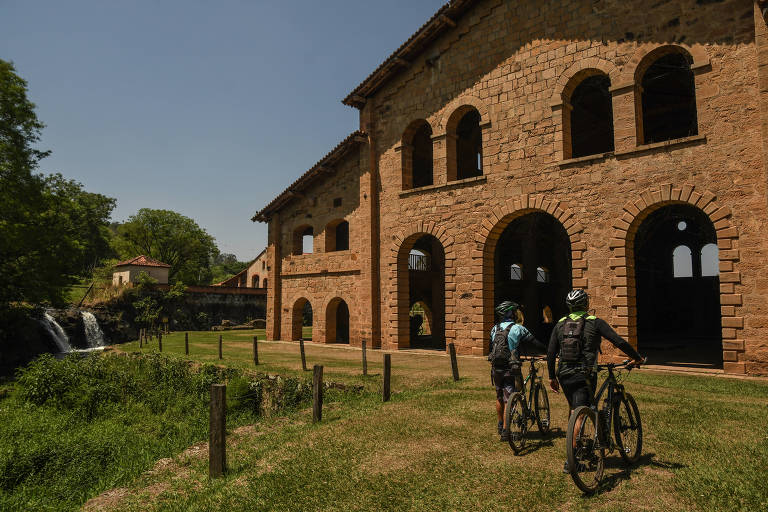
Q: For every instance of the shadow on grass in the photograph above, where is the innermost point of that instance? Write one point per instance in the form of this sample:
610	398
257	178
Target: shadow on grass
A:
625	472
535	440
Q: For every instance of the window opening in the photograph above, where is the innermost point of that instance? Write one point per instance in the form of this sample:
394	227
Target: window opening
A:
681	225
337	202
419	261
710	261
591	123
469	146
516	272
307	241
422	162
669	99
682	261
342	236
542	275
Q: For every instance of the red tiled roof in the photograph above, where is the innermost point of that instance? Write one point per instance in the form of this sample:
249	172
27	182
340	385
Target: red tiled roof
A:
143	261
319	169
442	21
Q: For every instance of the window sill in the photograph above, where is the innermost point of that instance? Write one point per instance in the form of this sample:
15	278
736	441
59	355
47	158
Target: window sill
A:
667	144
583	159
444	186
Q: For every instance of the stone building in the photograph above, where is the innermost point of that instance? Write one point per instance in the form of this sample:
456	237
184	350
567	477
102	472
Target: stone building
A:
252	276
128	271
516	149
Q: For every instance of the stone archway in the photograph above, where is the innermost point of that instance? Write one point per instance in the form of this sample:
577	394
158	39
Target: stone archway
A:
490	233
301	317
622	244
337	321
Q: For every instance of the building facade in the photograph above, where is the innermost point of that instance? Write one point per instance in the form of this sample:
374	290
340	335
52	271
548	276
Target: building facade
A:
128	271
516	149
252	276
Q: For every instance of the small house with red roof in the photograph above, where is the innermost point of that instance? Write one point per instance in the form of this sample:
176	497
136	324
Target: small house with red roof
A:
128	271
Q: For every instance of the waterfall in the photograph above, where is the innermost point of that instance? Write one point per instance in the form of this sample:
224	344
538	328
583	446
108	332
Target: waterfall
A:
93	332
57	333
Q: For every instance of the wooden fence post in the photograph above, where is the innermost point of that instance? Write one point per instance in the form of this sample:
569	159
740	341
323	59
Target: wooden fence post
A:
317	393
186	343
220	354
160	340
365	360
387	372
255	350
303	357
217	445
454	364
141	338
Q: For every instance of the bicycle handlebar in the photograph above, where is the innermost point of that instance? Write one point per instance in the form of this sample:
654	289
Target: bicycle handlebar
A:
628	364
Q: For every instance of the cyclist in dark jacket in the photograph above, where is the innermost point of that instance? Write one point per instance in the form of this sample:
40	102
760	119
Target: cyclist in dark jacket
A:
579	379
505	377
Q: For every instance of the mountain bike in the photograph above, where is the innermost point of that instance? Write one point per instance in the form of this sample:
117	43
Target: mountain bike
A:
589	430
520	413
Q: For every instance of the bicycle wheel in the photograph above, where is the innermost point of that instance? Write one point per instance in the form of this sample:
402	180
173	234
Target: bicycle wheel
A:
586	459
541	403
627	428
516	421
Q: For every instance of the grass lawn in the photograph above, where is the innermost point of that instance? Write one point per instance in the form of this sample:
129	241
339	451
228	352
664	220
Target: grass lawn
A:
434	446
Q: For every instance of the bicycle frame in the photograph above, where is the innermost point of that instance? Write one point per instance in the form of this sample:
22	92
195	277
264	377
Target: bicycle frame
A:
613	391
532	377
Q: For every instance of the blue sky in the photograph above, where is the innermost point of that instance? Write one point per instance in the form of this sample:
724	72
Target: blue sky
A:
207	108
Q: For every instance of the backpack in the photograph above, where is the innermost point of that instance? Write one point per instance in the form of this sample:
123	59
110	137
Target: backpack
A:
572	346
500	353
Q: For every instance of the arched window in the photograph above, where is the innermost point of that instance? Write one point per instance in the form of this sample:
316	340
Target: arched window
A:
668	96
417	155
264	282
255	282
419	260
469	146
682	261
591	117
303	238
710	261
337	236
516	272
542	275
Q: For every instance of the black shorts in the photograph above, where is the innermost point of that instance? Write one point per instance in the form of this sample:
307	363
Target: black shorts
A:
505	381
578	389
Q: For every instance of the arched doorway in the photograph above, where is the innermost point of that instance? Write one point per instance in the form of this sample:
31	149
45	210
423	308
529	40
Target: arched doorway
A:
678	288
337	322
422	260
532	266
301	321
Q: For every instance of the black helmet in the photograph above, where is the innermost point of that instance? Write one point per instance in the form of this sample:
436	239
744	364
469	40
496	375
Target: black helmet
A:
507	308
577	300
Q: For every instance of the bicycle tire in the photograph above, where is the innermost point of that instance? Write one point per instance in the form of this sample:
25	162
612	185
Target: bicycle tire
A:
628	428
586	458
517	422
541	406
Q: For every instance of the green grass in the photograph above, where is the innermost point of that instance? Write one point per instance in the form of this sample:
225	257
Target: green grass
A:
433	447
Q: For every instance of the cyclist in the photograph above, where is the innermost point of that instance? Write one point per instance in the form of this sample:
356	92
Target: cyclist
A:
576	340
505	371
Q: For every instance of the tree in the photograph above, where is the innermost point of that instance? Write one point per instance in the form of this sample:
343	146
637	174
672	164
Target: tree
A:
171	238
52	232
224	266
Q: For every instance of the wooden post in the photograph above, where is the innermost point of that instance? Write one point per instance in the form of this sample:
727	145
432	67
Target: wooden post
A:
387	372
220	355
317	393
303	357
255	350
186	343
365	360
141	338
454	364
217	448
160	340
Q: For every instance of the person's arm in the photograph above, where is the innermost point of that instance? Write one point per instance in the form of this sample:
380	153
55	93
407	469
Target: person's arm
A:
552	350
608	333
527	339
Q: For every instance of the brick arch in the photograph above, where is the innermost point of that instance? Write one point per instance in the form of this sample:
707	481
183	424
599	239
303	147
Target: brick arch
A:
493	226
645	54
297	307
457	108
582	69
330	320
400	247
622	263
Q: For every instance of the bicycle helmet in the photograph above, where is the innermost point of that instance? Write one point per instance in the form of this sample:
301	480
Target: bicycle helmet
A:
577	300
507	308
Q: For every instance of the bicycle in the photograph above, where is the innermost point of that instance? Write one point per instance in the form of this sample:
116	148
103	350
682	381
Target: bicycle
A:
586	447
520	413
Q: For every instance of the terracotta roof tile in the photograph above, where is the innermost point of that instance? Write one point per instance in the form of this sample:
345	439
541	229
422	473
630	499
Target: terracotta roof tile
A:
143	261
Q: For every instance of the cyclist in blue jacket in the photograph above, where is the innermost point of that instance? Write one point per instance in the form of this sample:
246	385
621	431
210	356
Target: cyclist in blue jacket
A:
507	375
